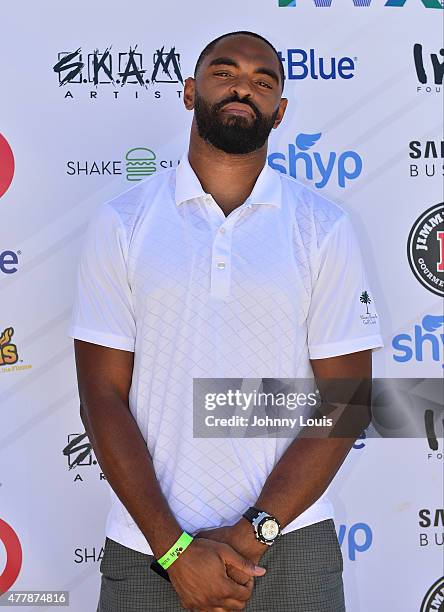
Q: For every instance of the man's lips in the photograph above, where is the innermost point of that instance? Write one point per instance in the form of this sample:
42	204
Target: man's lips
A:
237	108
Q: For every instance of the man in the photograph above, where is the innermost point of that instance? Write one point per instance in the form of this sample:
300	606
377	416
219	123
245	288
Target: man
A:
221	268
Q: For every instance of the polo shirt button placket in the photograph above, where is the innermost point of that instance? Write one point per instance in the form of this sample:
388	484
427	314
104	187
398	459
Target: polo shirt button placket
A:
221	259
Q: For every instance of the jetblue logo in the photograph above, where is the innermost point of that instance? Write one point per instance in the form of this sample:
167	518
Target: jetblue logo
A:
358	538
359	445
302	162
9	262
426	341
299	64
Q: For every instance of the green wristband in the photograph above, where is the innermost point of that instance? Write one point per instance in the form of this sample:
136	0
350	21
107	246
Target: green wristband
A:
176	549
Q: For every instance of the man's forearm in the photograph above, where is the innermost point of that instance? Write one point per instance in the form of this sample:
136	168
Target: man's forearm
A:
125	460
302	475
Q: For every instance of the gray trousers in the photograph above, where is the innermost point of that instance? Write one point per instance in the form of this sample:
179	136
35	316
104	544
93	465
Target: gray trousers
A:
304	574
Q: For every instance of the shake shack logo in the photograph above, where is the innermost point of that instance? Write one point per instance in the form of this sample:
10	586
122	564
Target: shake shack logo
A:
368	318
425	249
434	598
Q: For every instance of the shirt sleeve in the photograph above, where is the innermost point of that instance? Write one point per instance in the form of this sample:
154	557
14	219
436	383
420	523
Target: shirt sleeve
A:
103	311
342	317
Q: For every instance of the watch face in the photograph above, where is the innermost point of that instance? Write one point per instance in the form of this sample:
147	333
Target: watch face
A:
269	529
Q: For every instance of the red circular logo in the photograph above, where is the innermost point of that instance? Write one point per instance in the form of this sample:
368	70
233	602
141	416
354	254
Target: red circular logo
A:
13	556
6	165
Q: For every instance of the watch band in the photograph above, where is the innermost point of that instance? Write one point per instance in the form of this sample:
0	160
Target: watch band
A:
251	513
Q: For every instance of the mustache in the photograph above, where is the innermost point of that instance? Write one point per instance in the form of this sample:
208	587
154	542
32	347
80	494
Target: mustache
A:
222	103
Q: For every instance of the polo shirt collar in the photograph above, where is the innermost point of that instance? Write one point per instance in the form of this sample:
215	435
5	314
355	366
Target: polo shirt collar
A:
267	189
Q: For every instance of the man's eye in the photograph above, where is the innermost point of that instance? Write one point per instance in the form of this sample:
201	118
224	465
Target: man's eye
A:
264	83
221	73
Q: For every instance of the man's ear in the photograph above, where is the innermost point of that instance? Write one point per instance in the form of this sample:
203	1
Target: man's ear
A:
188	93
282	106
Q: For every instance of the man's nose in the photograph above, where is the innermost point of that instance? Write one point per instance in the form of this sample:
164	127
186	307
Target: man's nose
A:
241	86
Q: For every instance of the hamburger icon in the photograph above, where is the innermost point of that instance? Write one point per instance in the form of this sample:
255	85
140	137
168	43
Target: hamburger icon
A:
140	162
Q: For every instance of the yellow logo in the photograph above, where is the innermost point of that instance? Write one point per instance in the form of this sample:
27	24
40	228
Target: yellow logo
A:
8	351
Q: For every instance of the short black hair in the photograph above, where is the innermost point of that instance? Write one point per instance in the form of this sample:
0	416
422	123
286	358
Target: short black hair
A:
214	42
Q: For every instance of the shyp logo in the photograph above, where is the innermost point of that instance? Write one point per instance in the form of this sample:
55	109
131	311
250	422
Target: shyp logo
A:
300	65
312	165
413	346
358	538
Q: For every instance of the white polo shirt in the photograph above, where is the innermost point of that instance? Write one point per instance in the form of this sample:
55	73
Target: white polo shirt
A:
193	293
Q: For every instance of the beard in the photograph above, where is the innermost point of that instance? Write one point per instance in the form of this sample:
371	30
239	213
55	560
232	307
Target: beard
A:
233	134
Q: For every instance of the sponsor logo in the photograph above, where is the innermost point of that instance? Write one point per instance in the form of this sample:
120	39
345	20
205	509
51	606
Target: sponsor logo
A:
86	555
426	340
14	556
7	165
368	318
434	4
433	521
80	454
357	538
434	598
113	71
9	261
429	69
300	65
431	431
9	358
359	445
138	163
425	249
427	153
8	350
302	162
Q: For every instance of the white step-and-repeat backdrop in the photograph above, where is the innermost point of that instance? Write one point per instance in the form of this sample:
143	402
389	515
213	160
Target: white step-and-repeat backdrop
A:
86	91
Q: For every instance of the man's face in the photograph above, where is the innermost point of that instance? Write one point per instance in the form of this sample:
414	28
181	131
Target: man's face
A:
237	95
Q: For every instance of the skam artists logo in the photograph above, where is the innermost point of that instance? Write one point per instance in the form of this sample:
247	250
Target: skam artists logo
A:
299	64
408	347
300	162
427	153
429	69
6	165
79	453
436	4
118	70
425	249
